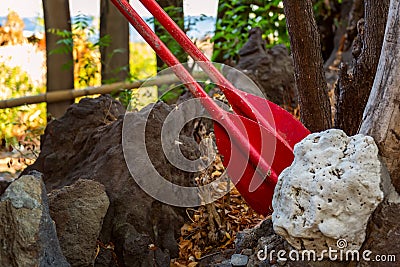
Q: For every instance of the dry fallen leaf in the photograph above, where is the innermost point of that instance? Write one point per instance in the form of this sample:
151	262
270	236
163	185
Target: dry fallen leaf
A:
214	226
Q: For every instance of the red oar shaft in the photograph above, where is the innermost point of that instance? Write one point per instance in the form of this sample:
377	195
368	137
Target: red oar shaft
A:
239	103
215	111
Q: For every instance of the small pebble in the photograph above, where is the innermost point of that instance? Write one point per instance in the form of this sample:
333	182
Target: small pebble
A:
238	260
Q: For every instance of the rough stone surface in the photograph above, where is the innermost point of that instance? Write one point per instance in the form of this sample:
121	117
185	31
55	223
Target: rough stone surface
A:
78	211
248	238
86	144
27	233
105	258
382	238
329	192
271	69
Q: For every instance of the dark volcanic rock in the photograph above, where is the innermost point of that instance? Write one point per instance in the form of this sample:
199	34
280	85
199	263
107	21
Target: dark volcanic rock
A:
271	69
78	211
383	232
105	258
86	144
66	137
248	238
383	235
27	233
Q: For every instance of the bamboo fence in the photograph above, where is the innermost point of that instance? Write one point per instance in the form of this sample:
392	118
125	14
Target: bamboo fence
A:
61	95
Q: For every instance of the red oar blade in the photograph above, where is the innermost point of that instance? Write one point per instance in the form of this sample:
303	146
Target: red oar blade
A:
287	127
254	185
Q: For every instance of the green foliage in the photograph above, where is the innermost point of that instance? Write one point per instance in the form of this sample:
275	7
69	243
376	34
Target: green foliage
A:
86	52
142	66
23	122
87	62
238	17
176	13
171	96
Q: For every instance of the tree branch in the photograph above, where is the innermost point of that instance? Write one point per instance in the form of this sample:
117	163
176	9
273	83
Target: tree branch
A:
309	73
366	50
382	113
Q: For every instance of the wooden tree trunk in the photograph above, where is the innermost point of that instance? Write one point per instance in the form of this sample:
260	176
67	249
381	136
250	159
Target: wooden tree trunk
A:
353	92
310	78
174	8
115	57
381	118
57	16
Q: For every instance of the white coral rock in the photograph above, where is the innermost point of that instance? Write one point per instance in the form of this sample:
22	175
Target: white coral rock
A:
329	192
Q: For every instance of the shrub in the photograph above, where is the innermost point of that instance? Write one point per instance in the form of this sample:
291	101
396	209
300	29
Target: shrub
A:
25	122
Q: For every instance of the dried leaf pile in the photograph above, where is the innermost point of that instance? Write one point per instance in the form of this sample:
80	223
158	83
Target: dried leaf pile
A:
213	226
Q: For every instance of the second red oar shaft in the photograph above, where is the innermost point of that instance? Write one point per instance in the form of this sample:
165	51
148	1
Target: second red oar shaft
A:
215	111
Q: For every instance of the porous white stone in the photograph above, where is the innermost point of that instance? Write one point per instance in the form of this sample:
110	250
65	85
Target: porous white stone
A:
329	192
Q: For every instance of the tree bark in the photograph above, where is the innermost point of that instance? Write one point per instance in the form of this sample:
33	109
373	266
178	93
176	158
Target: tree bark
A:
353	97
174	8
115	57
310	78
57	16
381	118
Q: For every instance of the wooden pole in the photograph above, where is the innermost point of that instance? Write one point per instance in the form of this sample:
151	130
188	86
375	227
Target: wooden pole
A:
62	95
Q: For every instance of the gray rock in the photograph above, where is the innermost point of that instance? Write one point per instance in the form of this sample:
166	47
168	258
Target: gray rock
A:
326	197
27	232
78	211
239	260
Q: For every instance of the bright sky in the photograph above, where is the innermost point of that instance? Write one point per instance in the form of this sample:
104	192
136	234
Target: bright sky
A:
33	8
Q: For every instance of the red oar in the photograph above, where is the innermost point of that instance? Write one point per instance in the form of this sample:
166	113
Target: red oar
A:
248	147
258	109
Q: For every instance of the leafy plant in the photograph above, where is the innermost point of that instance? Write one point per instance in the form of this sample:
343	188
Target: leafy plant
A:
176	13
86	51
142	61
19	123
238	17
142	66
